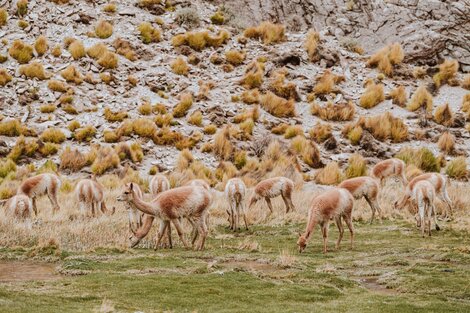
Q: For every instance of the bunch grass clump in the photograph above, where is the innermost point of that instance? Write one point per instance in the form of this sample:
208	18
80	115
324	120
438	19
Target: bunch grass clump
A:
222	145
195	118
109	60
278	85
34	70
3	17
356	166
106	159
457	168
180	67
334	112
446	143
149	34
5	77
11	128
254	74
77	49
466	105
326	83
235	57
22	7
270	33
307	150
72	159
200	40
422	158
72	75
103	29
447	71
398	96
420	99
277	106
293	131
58	86
386	58
331	174
86	133
373	95
47	108
321	132
466	82
443	115
131	152
311	45
53	135
20	51
186	101
41	45
125	48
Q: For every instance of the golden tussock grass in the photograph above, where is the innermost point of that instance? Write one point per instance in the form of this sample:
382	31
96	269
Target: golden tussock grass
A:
48	149
107	78
447	71
72	75
5	77
466	82
278	85
307	150
443	115
106	159
277	106
270	33
240	159
57	85
34	70
326	83
235	57
23	24
279	129
321	132
419	72
3	17
103	29
331	174
195	118
180	67
293	130
446	143
40	45
186	101
373	95
250	96
110	136
334	112
70	109
200	40
210	129
110	7
247	114
420	99
222	146
56	51
356	166
73	125
254	74
124	48
97	50
164	119
354	133
53	135
457	168
22	7
218	18
7	167
466	105
311	45
47	108
398	96
23	147
132	80
385	126
149	34
145	108
86	133
204	89
422	158
21	51
76	49
142	127
109	60
386	58
11	128
131	152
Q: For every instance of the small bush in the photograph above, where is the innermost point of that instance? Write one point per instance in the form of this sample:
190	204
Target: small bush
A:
23	24
355	135
326	83
186	101
21	52
57	51
308	151
420	99
72	75
164	120
457	168
218	18
103	29
277	84
419	72
466	105
149	34
356	166
447	71
293	130
222	146
11	128
41	45
124	48
3	17
110	8
329	175
311	45
270	33
373	95
250	96
110	136
398	96
34	70
280	129
47	108
70	109
73	125
97	50
53	135
210	129
466	82
106	159
235	57
6	167
422	158
446	143
277	106
109	60
77	50
72	159
22	7
57	85
5	77
132	152
188	16
386	58
132	80
145	108
85	133
321	132
334	112
444	115
195	118
179	66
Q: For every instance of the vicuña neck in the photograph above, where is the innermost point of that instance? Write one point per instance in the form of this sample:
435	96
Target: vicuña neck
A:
143	206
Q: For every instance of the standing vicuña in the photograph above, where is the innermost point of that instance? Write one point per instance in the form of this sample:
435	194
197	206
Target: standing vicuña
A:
135	216
90	193
334	203
19	206
169	206
424	195
440	187
39	185
235	191
273	187
389	168
366	187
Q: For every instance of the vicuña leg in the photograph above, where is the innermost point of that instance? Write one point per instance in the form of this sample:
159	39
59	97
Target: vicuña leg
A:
270	206
180	232
348	219
339	224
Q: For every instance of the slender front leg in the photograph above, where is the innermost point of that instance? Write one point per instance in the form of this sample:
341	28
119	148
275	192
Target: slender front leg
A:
270	206
348	219
339	224
324	231
35	208
286	203
160	233
179	230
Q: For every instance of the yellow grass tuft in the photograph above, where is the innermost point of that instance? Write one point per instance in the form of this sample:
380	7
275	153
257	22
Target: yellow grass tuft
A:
106	159
311	45
293	130
356	166
145	108
419	72
149	34
164	120
269	32
253	75
103	29
277	106
5	77
41	45
73	125
195	118
444	115
466	82
422	158
186	101
179	66
210	129
53	135
72	75
22	7
321	132
85	133
398	96
447	71
56	51
420	99
222	146
34	70
23	24
57	85
110	7
132	80
47	108
97	50
446	143
331	174
326	83
124	48
307	150
76	49
111	116
277	84
21	51
110	136
11	128
466	105
355	135
3	17
109	60
334	112
386	58
373	95
131	152
250	96
218	18
235	57
457	168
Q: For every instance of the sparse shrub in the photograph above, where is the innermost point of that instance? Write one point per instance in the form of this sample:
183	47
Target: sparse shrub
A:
10	128
188	16
110	136
57	85
326	83
277	84
53	135
132	80
163	120
145	108
124	48
106	78
106	159
111	116
132	152
466	105
222	146
386	58
355	135
3	58
321	132
334	112
250	96
444	115
419	72
103	29
97	50
34	70
269	32
446	142
293	130
311	45
277	106
70	109
329	175
149	34
3	17
373	95
398	96
218	18
5	77
235	57
23	24
247	127
73	125
246	114
109	60
466	82
420	99
41	45
47	108
386	126
6	167
21	51
356	166
201	40
110	7
85	133
447	71
186	101
57	51
457	168
195	118
210	129
307	149
22	7
179	66
280	129
48	149
422	158
72	75
77	50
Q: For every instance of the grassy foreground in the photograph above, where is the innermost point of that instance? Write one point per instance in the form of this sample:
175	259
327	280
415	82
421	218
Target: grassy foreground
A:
391	269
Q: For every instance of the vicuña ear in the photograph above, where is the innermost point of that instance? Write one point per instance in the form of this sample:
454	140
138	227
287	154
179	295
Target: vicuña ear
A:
132	186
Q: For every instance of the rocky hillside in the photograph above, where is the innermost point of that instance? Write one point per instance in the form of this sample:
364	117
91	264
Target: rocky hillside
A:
137	81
